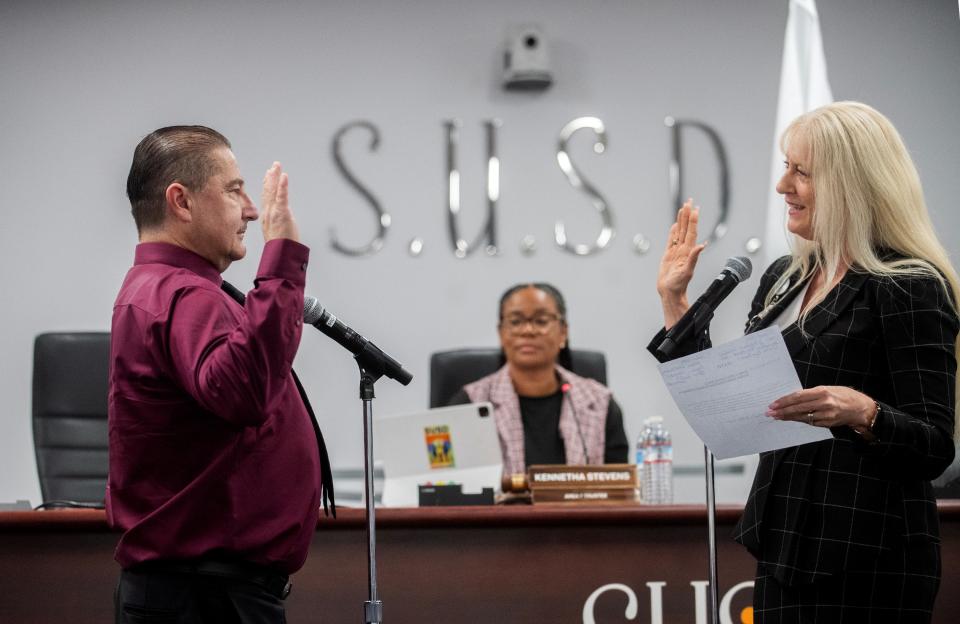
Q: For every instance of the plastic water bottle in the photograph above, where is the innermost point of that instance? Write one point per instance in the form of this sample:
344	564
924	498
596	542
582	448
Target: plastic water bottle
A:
640	450
657	488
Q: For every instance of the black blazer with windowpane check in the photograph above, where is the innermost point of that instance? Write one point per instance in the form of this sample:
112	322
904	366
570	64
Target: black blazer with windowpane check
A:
843	503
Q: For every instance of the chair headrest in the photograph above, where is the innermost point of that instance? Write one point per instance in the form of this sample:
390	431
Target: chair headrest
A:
451	370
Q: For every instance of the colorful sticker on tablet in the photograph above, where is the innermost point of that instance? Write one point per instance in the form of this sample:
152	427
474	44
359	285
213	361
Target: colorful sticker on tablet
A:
439	446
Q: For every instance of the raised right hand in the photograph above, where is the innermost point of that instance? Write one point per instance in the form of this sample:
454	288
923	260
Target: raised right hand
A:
276	217
678	263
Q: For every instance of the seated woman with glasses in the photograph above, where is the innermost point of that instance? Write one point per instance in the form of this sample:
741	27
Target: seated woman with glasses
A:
544	413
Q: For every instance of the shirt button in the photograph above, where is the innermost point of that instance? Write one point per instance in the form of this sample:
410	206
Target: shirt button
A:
303	267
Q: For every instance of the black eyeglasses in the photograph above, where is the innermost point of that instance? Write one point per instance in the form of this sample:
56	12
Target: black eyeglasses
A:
540	323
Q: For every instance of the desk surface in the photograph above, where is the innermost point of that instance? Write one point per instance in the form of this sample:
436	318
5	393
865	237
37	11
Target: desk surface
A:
468	564
349	518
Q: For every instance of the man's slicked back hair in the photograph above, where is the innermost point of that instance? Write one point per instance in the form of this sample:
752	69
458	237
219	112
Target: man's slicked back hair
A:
172	154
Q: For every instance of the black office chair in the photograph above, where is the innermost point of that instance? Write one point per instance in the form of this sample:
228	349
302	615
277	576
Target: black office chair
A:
70	416
947	485
451	370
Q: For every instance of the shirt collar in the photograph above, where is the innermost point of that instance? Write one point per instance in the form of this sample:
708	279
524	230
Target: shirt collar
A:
173	255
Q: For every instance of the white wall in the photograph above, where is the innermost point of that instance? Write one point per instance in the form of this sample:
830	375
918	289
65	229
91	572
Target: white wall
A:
81	83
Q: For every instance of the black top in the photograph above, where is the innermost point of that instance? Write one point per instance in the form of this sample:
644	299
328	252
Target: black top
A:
846	503
542	443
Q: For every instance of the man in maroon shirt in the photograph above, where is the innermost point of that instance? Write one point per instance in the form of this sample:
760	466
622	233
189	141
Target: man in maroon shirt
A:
215	475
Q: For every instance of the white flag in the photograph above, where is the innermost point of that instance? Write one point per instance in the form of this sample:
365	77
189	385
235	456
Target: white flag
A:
803	87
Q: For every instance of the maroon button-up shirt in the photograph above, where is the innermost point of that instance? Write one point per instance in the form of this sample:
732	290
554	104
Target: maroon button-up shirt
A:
212	450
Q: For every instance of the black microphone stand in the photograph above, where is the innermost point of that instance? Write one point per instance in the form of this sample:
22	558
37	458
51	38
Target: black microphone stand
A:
712	535
372	367
665	350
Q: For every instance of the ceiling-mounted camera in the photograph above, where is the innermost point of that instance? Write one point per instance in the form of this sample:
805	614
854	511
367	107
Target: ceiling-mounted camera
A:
526	60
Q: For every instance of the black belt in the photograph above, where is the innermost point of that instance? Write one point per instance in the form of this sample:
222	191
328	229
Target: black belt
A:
276	583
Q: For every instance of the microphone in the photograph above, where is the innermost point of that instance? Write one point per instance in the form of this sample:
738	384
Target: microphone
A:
367	354
696	318
565	389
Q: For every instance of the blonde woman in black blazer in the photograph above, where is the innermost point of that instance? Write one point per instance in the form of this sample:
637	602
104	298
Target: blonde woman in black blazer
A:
846	530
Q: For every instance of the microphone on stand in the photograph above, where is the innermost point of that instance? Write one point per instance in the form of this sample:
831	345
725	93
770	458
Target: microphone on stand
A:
696	318
369	355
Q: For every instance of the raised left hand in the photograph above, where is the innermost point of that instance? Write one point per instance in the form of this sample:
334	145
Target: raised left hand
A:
825	406
678	262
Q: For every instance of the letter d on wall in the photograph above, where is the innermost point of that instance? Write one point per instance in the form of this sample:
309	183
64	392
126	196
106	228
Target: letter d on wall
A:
676	171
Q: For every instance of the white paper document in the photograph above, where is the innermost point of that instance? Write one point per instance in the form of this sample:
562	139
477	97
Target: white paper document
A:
724	393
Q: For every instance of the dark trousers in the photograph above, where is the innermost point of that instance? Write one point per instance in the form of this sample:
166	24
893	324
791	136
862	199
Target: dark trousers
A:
191	593
897	593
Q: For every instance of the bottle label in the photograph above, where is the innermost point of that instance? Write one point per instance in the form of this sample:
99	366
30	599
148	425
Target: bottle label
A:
658	452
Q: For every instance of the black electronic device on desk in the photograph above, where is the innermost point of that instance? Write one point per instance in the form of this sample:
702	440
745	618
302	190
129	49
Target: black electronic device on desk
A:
452	496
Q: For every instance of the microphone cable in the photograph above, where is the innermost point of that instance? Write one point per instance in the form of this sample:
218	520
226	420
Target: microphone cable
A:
565	389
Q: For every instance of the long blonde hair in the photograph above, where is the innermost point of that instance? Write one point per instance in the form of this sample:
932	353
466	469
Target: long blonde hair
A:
868	198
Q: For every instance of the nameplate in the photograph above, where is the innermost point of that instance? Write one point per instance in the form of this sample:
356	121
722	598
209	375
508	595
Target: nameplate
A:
609	483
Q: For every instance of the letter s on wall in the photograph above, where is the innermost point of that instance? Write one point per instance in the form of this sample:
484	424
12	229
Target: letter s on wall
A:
383	218
577	181
632	606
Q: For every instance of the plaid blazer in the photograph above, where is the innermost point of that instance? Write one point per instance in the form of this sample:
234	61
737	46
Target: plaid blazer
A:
844	504
583	417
